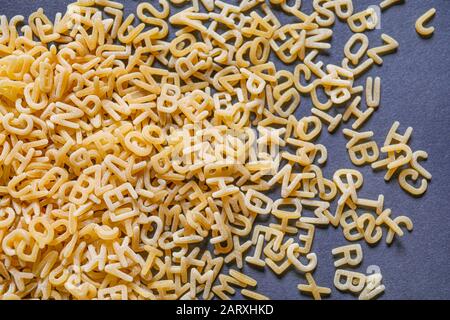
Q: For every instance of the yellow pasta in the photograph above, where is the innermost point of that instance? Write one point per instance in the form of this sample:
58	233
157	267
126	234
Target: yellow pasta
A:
354	281
253	295
352	255
373	287
420	23
313	289
364	20
373	92
385	4
124	150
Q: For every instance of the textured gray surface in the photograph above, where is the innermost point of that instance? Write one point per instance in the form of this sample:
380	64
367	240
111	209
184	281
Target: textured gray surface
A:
415	91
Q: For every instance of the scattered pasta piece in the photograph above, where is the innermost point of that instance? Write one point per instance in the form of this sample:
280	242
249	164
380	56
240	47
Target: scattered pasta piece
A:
352	255
373	287
351	281
423	19
385	4
312	288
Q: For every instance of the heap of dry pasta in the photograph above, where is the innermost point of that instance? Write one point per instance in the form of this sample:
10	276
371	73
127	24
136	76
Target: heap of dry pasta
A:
135	162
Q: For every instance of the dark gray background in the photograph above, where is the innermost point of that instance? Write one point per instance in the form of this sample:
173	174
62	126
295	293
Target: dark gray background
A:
415	91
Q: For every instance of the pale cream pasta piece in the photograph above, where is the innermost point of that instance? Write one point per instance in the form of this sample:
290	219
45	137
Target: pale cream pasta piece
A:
313	289
421	29
373	287
357	39
244	279
414	176
385	4
373	92
351	255
364	20
390	45
345	280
